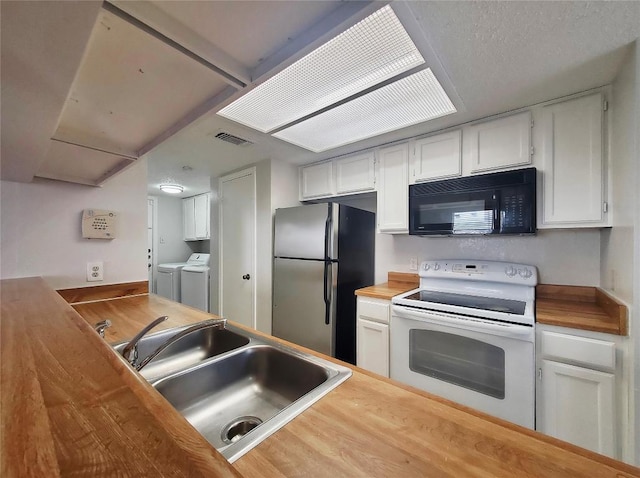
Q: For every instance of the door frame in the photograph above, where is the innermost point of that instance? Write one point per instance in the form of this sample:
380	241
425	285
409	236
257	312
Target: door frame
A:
154	242
230	177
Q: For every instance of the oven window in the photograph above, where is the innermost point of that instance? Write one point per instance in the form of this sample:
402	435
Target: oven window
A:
459	360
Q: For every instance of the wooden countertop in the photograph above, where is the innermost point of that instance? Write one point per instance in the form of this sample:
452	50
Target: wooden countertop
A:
72	407
88	414
586	308
398	283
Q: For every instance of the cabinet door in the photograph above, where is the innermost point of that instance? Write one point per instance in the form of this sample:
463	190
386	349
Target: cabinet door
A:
316	181
393	189
438	156
373	347
355	174
573	180
501	143
188	219
201	216
578	406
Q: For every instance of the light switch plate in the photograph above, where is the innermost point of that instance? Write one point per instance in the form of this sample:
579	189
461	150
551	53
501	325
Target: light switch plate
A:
413	264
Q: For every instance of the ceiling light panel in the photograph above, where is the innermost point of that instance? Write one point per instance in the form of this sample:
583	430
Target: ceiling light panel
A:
411	100
373	50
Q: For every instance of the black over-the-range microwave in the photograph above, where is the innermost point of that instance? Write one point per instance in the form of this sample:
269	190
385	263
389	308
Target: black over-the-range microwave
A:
492	204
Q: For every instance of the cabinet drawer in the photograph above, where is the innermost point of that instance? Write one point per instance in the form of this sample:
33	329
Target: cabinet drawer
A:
372	309
579	350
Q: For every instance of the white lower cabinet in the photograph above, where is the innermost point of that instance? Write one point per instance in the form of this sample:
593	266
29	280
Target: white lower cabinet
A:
578	390
579	406
372	335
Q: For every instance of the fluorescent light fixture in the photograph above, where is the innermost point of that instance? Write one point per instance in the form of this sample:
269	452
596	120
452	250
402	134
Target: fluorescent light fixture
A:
414	99
171	188
373	50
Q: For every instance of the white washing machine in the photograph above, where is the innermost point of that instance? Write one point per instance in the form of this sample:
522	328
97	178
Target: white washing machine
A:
195	287
168	281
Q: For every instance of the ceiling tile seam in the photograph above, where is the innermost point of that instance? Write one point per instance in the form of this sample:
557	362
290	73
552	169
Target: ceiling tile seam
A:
99	150
226	76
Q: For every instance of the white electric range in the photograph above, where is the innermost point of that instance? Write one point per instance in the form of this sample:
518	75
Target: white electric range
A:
467	334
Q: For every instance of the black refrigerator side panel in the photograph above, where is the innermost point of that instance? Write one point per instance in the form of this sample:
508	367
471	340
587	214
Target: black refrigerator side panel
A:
356	248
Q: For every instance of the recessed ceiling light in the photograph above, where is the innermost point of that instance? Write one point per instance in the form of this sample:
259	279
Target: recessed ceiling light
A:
373	50
171	188
411	100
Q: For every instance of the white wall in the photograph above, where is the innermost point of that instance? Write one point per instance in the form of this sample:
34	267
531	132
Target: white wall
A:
618	252
41	236
171	244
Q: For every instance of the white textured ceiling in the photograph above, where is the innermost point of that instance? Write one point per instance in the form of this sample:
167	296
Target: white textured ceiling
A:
498	56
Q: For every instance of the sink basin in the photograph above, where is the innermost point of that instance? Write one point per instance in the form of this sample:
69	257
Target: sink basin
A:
191	350
235	387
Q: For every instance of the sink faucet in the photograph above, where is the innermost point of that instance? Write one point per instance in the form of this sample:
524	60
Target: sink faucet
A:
130	351
213	323
101	326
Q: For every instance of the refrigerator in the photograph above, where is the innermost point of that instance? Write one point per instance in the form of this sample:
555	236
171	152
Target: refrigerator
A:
322	254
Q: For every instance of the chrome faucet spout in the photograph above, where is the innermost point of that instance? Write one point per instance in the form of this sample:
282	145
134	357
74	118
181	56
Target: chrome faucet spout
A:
129	352
214	323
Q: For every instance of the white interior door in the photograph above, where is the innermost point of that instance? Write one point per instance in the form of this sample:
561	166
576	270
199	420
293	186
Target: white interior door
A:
237	247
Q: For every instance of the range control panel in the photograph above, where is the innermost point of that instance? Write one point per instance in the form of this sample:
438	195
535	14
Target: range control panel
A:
490	271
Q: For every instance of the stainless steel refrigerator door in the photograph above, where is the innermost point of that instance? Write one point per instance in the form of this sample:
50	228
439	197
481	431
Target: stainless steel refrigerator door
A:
299	310
302	231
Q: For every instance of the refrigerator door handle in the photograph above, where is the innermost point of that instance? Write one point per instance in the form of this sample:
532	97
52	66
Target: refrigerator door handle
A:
328	280
328	228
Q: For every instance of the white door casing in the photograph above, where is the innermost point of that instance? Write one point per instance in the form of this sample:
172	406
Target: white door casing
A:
152	246
238	247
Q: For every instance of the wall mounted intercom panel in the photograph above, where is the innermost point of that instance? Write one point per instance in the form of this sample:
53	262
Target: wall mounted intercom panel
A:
99	224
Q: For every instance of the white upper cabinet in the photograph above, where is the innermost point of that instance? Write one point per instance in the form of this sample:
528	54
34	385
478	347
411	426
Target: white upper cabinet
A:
196	218
316	181
573	179
201	216
355	174
438	156
393	189
188	219
499	144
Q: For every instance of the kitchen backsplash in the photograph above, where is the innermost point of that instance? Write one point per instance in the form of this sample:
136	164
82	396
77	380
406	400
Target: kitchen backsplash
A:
561	256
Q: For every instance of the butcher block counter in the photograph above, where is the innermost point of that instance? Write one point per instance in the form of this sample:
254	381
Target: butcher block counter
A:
71	406
579	307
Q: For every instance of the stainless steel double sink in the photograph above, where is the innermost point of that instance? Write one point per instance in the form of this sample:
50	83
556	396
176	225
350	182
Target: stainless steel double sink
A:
234	387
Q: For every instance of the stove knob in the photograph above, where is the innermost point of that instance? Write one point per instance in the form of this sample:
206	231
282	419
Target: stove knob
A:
426	266
525	273
510	271
436	267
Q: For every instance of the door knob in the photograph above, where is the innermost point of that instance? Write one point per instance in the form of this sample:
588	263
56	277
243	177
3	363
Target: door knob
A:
246	277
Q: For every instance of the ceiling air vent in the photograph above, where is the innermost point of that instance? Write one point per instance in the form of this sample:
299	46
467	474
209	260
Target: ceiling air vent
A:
229	138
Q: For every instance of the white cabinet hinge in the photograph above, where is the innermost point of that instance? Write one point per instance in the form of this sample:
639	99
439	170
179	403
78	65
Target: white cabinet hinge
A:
532	121
605	105
540	374
533	150
605	206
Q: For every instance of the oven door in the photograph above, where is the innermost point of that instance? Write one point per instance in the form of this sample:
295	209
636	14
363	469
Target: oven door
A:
485	365
473	212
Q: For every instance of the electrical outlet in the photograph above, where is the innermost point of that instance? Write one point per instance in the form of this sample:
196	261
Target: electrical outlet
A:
413	264
95	271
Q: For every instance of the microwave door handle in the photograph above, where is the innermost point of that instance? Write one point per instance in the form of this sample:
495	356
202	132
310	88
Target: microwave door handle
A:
496	211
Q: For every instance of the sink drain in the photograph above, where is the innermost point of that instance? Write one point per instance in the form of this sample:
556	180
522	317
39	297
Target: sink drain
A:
239	428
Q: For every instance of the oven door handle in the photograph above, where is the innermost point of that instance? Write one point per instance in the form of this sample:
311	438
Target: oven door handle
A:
522	332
